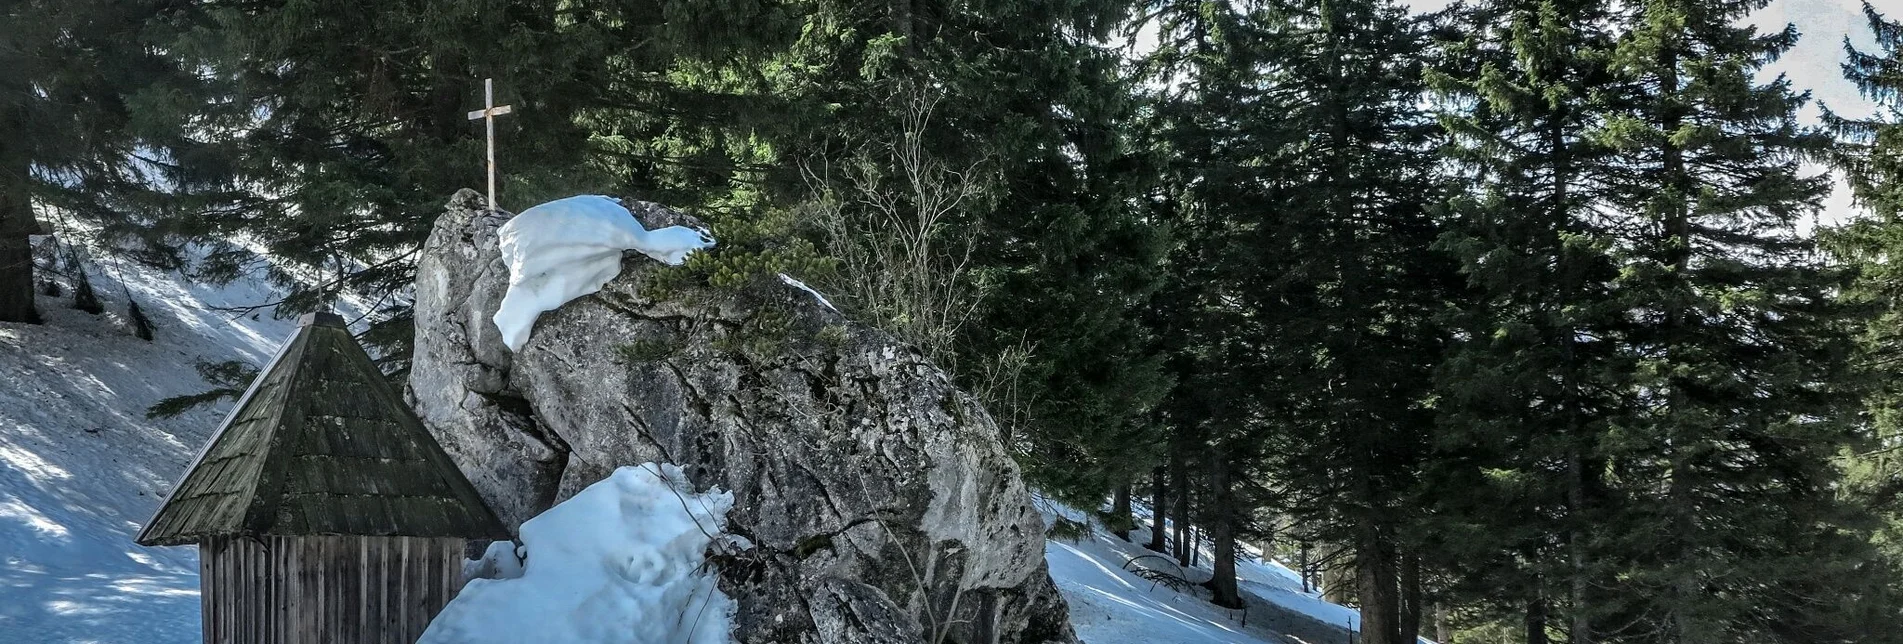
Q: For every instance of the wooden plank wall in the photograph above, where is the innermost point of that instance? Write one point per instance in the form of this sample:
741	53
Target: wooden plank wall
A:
326	589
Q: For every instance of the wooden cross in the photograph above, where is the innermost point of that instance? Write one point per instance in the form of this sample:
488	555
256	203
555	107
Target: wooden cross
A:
490	110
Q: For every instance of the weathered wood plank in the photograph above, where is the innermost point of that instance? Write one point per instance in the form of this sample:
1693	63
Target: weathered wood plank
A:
325	589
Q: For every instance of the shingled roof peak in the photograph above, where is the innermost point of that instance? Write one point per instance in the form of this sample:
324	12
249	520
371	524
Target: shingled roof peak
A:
321	444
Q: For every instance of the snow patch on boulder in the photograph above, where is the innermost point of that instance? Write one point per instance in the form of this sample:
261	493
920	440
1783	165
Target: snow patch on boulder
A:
623	561
568	248
788	279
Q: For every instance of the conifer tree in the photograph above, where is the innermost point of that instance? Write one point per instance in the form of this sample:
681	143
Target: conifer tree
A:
1526	392
1728	526
1029	114
1871	158
1356	291
339	129
1211	129
83	79
1300	184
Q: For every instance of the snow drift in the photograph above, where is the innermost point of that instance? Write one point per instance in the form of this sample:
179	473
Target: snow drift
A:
621	562
568	248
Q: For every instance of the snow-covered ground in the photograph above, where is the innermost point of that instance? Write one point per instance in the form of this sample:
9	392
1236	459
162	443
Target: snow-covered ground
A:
1112	604
81	468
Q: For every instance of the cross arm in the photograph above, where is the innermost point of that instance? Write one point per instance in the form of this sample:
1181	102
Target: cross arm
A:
498	110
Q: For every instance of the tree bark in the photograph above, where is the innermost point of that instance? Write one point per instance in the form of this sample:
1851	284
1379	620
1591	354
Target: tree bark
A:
1377	588
1159	508
1306	568
1580	612
1196	533
1536	621
1580	631
1677	243
16	250
1337	577
1410	598
1120	511
1221	519
1441	632
1179	512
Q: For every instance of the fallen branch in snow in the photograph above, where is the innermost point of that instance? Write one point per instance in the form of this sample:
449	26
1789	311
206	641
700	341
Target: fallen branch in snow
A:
1155	576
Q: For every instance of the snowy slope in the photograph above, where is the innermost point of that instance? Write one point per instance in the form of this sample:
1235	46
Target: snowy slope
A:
81	468
1111	604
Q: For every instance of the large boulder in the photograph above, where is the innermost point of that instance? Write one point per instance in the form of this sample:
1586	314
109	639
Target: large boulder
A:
879	501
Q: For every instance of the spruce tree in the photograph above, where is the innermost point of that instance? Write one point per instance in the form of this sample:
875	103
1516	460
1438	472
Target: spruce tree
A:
82	80
1304	290
1212	129
1871	158
1356	290
339	129
1526	391
1728	524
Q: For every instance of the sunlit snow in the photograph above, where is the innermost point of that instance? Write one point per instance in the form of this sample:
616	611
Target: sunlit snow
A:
568	248
622	562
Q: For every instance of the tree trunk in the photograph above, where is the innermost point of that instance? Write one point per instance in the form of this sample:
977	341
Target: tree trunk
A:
1442	633
1179	512
1307	568
1376	587
1159	508
1581	623
1678	243
1221	519
1580	631
16	250
1222	585
1120	512
1536	621
1196	533
1337	577
1410	598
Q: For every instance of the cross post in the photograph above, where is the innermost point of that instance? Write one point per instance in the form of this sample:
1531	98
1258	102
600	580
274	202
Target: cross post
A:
490	110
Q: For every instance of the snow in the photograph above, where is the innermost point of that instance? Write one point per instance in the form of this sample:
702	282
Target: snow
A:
623	562
788	279
568	248
1111	604
502	560
82	468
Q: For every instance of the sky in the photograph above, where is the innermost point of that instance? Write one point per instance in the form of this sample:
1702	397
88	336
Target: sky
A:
1814	64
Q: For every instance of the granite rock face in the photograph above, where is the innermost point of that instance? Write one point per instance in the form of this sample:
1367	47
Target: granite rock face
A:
881	506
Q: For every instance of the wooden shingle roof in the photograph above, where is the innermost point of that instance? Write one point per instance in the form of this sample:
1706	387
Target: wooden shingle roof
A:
321	445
